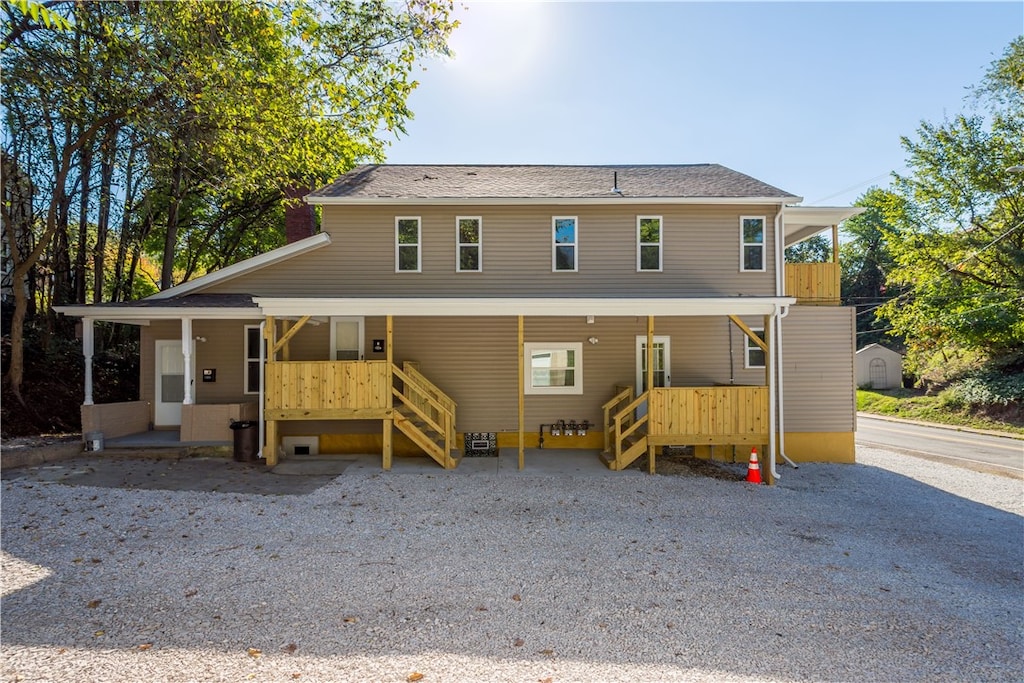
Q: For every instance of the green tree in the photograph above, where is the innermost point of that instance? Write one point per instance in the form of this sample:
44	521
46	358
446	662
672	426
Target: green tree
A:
815	249
867	262
174	129
958	238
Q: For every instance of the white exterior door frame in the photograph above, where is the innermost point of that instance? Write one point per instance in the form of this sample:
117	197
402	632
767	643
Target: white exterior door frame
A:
354	336
170	392
662	366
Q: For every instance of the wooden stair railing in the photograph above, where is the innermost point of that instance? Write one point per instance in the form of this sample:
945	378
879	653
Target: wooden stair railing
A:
426	415
625	436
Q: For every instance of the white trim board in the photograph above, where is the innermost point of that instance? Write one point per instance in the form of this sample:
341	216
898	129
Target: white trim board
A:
284	253
551	307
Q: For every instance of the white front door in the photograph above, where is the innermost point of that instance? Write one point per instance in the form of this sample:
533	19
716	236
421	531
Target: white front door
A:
662	366
347	338
170	383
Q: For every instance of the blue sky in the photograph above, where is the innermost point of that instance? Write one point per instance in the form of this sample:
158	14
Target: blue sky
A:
811	97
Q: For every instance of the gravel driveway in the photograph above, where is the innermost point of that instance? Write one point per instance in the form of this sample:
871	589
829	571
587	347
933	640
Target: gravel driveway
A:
895	569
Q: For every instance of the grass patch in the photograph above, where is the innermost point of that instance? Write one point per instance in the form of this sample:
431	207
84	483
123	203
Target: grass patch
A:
915	405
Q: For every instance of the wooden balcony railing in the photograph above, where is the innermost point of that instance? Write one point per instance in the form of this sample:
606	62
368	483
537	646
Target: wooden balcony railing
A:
815	284
325	390
708	415
684	416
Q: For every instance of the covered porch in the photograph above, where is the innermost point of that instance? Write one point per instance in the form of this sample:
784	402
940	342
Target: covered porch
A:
394	394
635	423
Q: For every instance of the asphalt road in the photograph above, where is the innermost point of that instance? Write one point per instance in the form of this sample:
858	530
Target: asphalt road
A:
967	449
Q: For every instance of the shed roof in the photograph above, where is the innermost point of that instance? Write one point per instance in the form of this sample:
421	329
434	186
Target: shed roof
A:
390	182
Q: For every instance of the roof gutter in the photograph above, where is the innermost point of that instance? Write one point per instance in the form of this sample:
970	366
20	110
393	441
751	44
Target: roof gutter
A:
543	201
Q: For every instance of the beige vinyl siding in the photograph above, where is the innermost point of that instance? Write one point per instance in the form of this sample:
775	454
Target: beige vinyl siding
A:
701	245
223	351
475	361
818	353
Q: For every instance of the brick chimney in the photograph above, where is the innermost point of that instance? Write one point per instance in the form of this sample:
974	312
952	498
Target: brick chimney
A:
299	219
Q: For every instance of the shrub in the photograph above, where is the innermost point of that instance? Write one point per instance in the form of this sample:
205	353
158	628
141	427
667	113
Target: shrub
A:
985	389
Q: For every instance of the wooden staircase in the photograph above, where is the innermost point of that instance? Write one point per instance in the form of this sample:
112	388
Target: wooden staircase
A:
625	436
425	414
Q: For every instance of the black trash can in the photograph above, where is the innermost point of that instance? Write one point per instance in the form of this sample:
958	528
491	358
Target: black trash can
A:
246	441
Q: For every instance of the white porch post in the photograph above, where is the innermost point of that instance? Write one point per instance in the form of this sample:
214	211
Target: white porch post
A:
770	357
186	350
88	346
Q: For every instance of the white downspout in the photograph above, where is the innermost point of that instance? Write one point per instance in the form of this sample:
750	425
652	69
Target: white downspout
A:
782	403
263	367
774	399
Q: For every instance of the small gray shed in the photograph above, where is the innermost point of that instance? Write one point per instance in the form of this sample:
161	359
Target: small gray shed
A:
876	367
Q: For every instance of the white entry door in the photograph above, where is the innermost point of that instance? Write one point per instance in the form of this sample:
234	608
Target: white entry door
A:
170	383
347	338
662	366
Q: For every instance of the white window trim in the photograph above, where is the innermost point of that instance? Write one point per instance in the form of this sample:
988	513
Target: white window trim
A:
530	347
479	244
419	244
334	334
247	359
763	244
575	244
659	244
748	346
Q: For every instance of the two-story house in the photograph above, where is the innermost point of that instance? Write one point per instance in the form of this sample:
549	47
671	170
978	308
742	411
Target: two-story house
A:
444	308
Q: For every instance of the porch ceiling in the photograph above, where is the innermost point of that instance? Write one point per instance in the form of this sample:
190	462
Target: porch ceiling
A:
802	222
553	307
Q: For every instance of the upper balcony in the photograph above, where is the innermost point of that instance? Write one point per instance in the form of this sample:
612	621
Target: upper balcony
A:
813	284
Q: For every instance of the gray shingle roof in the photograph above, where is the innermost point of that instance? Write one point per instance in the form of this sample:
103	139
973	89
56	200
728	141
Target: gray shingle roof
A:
545	182
189	301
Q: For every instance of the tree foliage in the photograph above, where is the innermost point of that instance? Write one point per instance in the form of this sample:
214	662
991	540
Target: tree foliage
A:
815	249
956	235
170	133
867	263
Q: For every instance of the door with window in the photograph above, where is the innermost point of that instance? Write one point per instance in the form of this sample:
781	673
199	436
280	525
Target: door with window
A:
170	383
347	338
661	366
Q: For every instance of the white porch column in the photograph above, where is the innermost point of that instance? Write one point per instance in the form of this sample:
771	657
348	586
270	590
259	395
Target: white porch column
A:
186	350
88	346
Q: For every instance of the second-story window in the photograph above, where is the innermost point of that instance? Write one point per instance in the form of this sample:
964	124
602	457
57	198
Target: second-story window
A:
407	244
563	253
752	247
469	240
754	357
648	243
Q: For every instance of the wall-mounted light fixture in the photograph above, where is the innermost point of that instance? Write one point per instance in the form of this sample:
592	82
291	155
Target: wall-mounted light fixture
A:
590	320
201	339
592	340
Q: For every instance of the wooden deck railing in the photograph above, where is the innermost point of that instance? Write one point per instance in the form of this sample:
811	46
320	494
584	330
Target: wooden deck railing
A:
311	390
708	415
683	416
815	284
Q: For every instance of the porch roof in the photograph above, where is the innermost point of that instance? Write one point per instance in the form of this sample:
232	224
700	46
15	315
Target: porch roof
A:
549	306
246	307
195	306
803	222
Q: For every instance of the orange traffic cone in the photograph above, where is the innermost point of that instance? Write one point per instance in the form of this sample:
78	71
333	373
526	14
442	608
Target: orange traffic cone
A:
753	469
